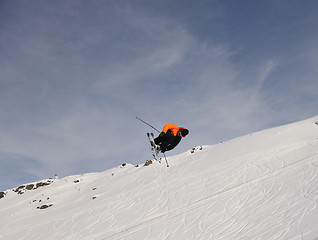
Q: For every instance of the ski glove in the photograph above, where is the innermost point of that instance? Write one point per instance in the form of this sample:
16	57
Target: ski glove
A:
162	134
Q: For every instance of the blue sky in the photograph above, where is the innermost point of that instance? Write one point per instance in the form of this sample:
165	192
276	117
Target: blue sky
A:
75	74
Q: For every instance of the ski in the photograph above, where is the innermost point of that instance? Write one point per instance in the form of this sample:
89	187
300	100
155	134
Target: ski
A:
154	150
157	151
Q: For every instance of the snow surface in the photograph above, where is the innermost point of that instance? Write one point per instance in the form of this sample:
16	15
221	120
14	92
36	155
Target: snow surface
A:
259	186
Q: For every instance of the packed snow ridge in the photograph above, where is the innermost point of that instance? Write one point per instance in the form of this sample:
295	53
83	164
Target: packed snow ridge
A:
259	186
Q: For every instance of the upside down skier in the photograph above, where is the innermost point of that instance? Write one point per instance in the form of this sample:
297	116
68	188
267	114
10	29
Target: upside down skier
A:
170	137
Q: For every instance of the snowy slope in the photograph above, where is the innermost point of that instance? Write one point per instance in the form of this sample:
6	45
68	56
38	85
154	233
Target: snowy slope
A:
260	186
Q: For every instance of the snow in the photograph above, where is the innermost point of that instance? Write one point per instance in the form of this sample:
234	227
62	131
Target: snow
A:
260	186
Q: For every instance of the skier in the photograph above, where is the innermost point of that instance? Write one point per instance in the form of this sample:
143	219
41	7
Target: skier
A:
170	137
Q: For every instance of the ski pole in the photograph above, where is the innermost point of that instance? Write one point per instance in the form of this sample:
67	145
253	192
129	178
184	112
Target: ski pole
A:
147	124
166	159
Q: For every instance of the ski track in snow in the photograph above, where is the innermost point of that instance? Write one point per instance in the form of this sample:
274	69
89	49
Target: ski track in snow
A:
234	205
213	193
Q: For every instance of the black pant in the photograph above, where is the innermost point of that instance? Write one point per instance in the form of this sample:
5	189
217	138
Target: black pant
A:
167	141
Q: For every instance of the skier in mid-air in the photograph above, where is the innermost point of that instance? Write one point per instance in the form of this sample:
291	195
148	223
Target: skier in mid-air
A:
170	137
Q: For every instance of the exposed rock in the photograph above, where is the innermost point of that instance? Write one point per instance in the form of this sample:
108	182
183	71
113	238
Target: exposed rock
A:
29	187
23	188
42	184
45	206
196	148
148	162
20	189
2	194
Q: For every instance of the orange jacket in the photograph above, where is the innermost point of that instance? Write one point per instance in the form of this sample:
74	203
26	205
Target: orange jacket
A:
174	129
